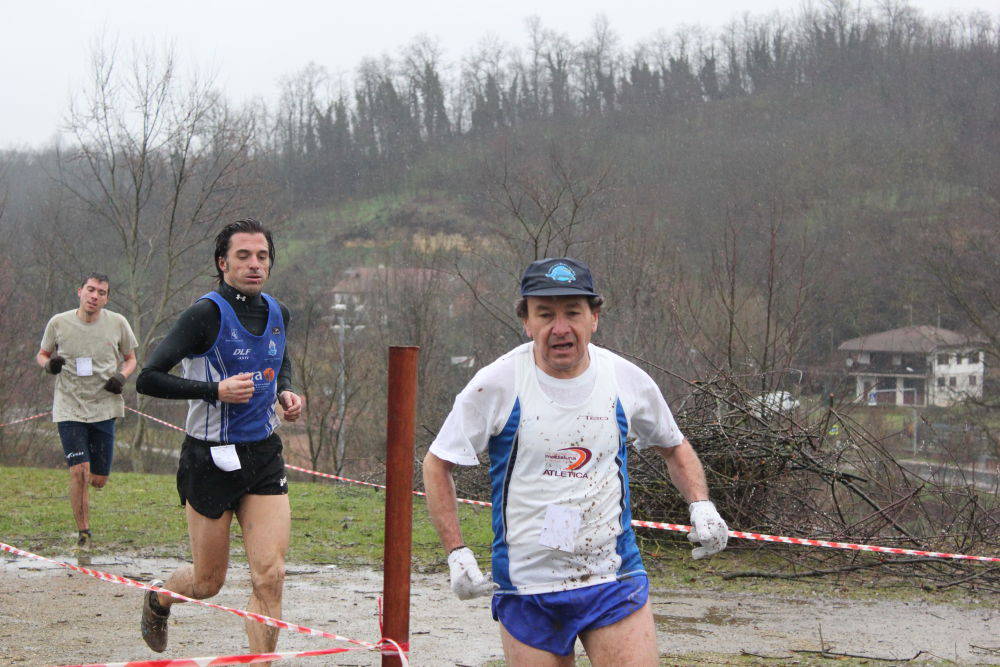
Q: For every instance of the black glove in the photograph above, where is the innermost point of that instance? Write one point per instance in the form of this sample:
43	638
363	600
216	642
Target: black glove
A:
54	364
115	383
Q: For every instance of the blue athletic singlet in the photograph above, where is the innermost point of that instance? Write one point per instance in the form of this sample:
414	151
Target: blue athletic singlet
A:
236	351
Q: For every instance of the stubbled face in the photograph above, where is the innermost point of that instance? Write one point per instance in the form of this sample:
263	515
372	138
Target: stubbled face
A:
93	296
561	327
247	263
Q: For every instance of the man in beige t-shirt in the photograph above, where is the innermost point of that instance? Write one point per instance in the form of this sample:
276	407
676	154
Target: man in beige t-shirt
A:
91	351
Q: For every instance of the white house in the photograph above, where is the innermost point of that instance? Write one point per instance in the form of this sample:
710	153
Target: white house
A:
918	366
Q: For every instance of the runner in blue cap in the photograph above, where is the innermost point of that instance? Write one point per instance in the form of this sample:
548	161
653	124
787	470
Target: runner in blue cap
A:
554	417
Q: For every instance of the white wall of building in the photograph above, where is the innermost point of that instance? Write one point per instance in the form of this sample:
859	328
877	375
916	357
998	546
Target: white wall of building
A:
956	374
953	375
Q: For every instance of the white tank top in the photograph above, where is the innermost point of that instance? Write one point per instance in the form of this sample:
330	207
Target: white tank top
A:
572	457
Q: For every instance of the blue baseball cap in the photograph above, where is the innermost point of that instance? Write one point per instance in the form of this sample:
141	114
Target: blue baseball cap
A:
557	276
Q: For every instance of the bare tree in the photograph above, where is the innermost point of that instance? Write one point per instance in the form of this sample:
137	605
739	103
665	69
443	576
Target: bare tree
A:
547	198
750	314
22	389
157	165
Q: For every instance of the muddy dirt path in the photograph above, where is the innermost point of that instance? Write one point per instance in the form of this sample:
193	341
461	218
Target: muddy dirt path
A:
49	615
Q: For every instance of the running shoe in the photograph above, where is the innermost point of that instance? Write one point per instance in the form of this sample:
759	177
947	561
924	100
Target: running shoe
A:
153	624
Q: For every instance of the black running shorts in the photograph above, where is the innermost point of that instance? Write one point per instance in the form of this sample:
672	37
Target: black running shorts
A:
212	491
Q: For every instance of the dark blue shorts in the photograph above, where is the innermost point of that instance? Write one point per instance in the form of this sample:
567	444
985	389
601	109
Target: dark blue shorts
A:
94	442
551	621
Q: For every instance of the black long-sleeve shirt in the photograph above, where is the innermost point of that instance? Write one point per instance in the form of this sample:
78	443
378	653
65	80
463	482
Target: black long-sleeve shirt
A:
194	333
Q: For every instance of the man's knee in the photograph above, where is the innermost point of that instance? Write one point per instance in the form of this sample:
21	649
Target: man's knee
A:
208	582
268	580
80	473
98	481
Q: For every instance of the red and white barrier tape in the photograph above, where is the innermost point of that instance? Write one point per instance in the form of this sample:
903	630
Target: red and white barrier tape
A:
259	618
389	650
761	537
247	659
220	659
377	486
155	419
733	533
329	476
27	419
739	534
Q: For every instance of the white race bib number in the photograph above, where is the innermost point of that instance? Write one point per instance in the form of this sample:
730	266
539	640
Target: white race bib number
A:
84	366
225	458
560	528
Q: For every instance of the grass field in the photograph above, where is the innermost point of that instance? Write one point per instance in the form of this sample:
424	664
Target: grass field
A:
331	522
334	522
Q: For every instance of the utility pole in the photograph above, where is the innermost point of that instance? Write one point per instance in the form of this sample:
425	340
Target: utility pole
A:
341	309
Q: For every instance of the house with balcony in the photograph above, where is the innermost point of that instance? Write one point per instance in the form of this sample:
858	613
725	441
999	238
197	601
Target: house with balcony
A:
917	366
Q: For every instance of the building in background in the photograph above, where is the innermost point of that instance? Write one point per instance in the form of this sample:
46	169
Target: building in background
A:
917	366
363	286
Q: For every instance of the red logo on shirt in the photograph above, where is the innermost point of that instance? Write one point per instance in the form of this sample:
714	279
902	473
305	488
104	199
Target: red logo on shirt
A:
269	374
583	457
566	462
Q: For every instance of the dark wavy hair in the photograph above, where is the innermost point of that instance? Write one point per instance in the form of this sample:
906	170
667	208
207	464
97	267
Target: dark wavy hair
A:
245	226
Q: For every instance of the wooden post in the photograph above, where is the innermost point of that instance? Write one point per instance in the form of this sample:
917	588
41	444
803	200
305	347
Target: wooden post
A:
400	426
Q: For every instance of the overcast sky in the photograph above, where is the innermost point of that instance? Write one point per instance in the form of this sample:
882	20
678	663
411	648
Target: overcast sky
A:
251	44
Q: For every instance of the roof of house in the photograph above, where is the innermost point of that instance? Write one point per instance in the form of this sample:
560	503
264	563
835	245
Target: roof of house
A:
920	338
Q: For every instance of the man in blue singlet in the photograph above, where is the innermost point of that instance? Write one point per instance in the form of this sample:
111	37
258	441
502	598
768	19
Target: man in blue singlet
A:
555	417
231	347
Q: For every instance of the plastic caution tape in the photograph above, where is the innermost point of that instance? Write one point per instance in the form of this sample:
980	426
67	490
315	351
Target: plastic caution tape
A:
27	419
739	534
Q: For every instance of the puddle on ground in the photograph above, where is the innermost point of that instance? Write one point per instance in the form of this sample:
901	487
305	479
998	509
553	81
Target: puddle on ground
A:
716	616
670	624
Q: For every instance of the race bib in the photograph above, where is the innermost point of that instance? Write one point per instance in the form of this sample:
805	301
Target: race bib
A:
225	458
84	366
560	528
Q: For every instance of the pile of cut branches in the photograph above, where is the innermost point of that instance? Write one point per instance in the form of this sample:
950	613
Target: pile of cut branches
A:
821	475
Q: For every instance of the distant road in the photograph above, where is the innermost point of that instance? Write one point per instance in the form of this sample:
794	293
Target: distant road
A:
985	477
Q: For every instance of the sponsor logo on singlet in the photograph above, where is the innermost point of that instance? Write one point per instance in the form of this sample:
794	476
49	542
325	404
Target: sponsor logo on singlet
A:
272	349
262	378
242	352
567	462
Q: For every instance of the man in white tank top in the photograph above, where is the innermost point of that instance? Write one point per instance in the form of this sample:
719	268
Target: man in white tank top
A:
554	417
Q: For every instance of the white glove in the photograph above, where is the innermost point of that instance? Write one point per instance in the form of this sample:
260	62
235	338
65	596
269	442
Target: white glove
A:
467	580
708	528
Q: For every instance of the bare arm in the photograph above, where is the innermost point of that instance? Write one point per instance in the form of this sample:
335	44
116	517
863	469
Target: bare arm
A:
128	364
442	500
685	471
707	527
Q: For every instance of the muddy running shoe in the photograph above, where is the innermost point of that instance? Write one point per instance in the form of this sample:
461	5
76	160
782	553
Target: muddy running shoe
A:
153	621
84	540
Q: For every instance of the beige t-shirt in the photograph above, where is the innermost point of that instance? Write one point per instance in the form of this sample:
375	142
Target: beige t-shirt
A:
100	345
